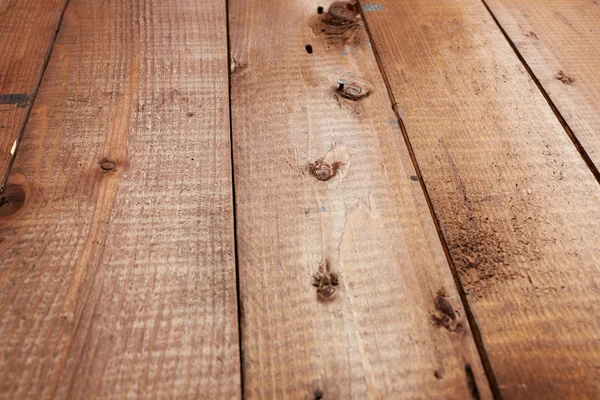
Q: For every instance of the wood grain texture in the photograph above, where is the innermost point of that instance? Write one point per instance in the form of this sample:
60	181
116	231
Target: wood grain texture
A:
118	273
324	180
27	30
560	42
519	209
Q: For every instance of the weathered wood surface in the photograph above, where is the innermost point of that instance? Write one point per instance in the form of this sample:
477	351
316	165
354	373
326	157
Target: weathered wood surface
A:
560	41
118	274
323	178
27	31
518	206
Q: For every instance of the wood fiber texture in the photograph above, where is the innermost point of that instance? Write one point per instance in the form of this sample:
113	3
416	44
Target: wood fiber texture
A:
117	247
325	186
27	31
518	207
560	41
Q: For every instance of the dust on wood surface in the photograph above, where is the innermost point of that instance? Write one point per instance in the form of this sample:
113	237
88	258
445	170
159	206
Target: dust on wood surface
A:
27	29
519	209
118	272
560	41
345	289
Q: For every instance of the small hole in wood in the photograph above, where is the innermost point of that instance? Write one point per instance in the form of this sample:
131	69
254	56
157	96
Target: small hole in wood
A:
319	10
308	49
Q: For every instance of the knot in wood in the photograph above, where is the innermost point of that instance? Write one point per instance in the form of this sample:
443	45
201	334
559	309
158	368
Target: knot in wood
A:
325	281
318	394
567	80
353	91
107	165
339	24
323	171
326	292
12	200
343	10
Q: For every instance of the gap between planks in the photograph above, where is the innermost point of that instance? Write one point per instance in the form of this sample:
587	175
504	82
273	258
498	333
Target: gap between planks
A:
240	310
252	290
584	154
470	317
423	53
15	147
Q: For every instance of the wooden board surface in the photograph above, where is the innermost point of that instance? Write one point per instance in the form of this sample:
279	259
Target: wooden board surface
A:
560	41
27	30
325	186
518	206
117	248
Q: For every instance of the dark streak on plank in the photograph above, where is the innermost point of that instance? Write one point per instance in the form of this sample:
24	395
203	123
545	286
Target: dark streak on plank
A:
20	99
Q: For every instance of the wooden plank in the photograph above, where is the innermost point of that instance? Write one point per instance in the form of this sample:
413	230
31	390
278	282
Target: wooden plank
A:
560	42
27	31
118	272
519	209
326	195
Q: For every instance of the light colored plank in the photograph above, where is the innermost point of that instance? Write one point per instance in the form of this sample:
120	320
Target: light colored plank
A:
121	283
375	337
560	41
518	206
27	30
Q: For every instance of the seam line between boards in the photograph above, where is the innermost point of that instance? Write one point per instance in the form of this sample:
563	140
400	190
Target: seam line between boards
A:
234	207
586	158
17	143
470	317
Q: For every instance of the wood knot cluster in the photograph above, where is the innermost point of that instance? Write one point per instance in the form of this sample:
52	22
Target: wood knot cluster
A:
323	171
325	281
